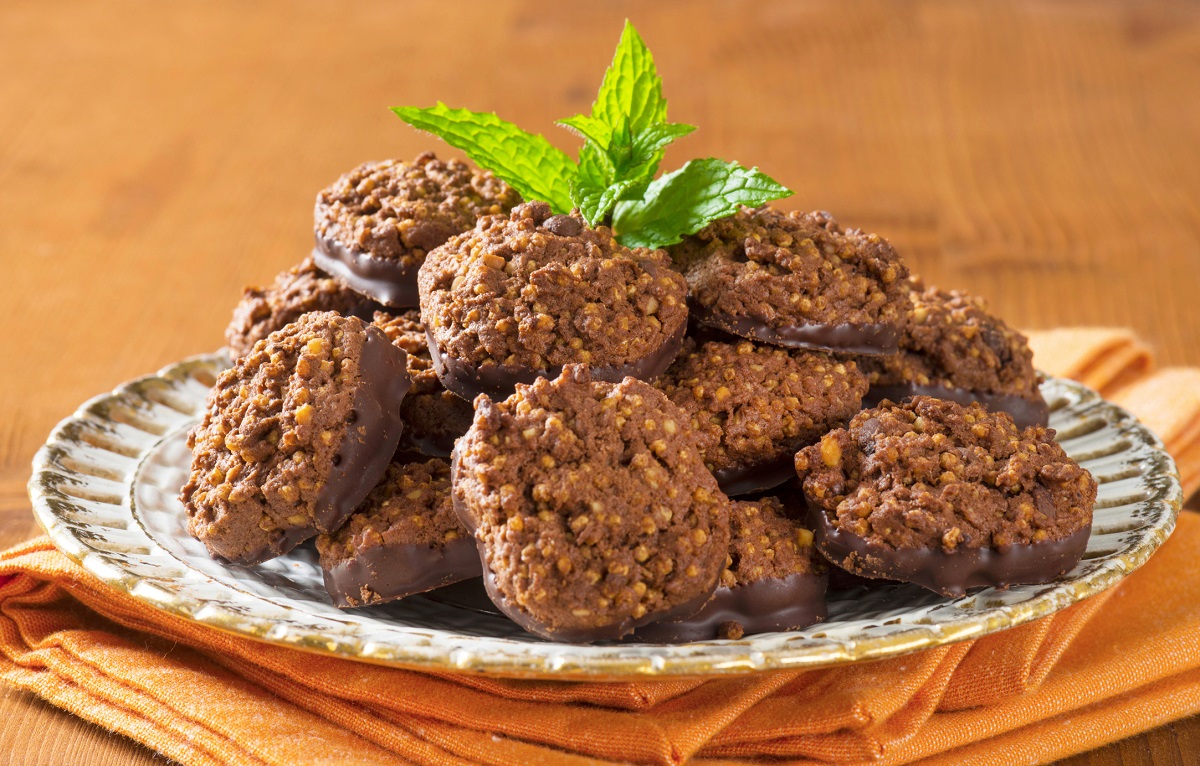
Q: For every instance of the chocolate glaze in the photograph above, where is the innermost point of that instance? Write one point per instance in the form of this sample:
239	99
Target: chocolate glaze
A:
396	571
365	451
611	632
1025	412
949	574
786	603
867	339
468	381
460	509
744	480
380	279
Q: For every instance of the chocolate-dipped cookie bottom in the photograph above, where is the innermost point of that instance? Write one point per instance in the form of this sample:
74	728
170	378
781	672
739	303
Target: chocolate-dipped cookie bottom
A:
866	339
766	606
745	480
499	381
950	574
388	572
380	279
1025	412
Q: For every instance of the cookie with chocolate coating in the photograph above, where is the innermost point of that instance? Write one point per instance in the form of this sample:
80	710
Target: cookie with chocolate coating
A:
522	295
375	224
295	292
952	348
592	509
946	496
797	280
405	538
293	437
433	417
774	580
752	406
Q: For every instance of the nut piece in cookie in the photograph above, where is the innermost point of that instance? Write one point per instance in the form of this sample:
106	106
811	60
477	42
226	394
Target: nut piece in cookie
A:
952	348
405	538
433	417
592	509
797	280
773	580
294	437
296	292
375	224
946	496
752	406
522	295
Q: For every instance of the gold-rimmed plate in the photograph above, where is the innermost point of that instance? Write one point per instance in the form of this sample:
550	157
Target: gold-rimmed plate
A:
105	489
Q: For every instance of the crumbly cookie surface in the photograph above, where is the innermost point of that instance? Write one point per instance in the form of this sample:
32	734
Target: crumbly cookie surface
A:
952	341
399	211
295	292
538	291
784	269
764	544
591	504
931	473
751	404
270	438
432	415
410	506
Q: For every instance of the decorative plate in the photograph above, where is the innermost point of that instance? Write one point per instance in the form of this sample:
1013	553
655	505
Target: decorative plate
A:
105	489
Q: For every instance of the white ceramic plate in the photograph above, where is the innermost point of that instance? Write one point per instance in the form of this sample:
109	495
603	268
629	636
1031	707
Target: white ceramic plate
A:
105	488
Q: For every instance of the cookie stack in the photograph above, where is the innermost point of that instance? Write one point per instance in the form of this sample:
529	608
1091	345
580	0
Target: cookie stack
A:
458	384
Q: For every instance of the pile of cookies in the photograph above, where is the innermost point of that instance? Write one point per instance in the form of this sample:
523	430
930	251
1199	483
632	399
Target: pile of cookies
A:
459	385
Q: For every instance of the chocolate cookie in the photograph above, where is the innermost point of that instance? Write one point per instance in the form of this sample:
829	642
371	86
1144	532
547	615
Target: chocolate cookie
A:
952	348
375	224
433	417
773	580
296	292
405	538
946	496
752	406
294	436
592	509
797	280
522	295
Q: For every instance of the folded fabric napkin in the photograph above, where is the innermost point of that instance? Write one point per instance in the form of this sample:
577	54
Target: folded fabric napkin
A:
1122	662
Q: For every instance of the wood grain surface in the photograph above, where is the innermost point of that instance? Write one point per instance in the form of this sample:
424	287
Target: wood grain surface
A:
156	157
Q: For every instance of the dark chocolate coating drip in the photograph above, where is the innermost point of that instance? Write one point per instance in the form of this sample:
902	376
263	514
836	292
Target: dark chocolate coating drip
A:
1025	412
867	339
433	445
776	604
756	478
396	571
950	574
499	381
380	279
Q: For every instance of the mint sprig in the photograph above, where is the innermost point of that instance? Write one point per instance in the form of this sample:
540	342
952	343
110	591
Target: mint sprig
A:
613	180
525	161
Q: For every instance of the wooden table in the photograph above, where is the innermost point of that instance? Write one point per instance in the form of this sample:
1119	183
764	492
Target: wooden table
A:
154	158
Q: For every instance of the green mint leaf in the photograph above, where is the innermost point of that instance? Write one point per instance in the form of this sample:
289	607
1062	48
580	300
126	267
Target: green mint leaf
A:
631	86
595	190
656	137
590	128
683	202
526	161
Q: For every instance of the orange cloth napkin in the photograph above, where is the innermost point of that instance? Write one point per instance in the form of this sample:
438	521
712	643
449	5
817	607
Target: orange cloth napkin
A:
1122	662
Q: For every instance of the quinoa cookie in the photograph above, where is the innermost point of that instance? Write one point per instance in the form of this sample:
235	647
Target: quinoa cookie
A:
296	292
405	538
590	505
294	437
797	280
952	348
946	496
375	224
522	295
433	417
752	406
773	580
